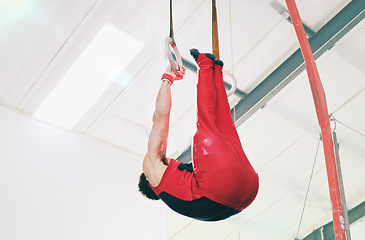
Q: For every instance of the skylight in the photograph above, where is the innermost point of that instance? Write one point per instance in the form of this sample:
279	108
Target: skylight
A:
101	63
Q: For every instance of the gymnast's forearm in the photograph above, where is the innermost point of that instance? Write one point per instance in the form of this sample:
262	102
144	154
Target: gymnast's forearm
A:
163	101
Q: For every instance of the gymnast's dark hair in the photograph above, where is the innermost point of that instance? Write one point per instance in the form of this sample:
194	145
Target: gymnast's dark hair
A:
145	189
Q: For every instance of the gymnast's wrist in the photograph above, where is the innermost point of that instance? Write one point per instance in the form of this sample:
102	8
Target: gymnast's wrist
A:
168	78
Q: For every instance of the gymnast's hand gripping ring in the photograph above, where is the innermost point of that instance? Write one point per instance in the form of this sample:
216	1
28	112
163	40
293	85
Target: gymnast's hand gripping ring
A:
175	67
233	81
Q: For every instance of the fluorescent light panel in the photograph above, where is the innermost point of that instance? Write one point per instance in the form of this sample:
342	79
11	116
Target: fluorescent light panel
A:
101	63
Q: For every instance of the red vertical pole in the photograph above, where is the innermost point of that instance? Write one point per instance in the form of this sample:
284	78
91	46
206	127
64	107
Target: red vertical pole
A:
323	119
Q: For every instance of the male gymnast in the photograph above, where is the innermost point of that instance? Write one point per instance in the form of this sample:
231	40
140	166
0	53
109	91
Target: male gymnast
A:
220	181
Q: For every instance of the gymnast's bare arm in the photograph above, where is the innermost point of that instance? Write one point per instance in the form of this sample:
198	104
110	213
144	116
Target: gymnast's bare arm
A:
153	166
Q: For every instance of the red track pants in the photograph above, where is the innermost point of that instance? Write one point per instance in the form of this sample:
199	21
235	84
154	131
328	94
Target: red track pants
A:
222	170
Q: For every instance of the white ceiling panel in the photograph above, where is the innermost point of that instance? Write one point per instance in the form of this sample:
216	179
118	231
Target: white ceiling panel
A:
45	36
317	13
357	230
28	27
269	51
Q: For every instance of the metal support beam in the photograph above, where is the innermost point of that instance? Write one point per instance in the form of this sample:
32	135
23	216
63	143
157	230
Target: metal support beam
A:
341	185
320	102
326	232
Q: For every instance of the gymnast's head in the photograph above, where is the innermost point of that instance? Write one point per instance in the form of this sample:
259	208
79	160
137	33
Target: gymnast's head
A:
145	189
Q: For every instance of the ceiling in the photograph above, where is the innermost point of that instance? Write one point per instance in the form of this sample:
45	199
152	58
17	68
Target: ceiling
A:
41	39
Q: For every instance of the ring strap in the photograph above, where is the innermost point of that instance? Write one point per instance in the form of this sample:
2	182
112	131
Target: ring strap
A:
215	41
171	22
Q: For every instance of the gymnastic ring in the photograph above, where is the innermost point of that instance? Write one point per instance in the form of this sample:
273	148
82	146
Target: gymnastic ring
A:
174	67
233	81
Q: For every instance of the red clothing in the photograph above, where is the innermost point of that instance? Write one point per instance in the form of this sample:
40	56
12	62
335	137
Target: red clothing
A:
181	184
221	171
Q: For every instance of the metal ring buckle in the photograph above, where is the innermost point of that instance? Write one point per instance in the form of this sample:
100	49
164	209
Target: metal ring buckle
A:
233	81
175	67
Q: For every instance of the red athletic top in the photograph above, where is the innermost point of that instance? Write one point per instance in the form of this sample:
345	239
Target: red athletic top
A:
201	208
180	184
184	185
